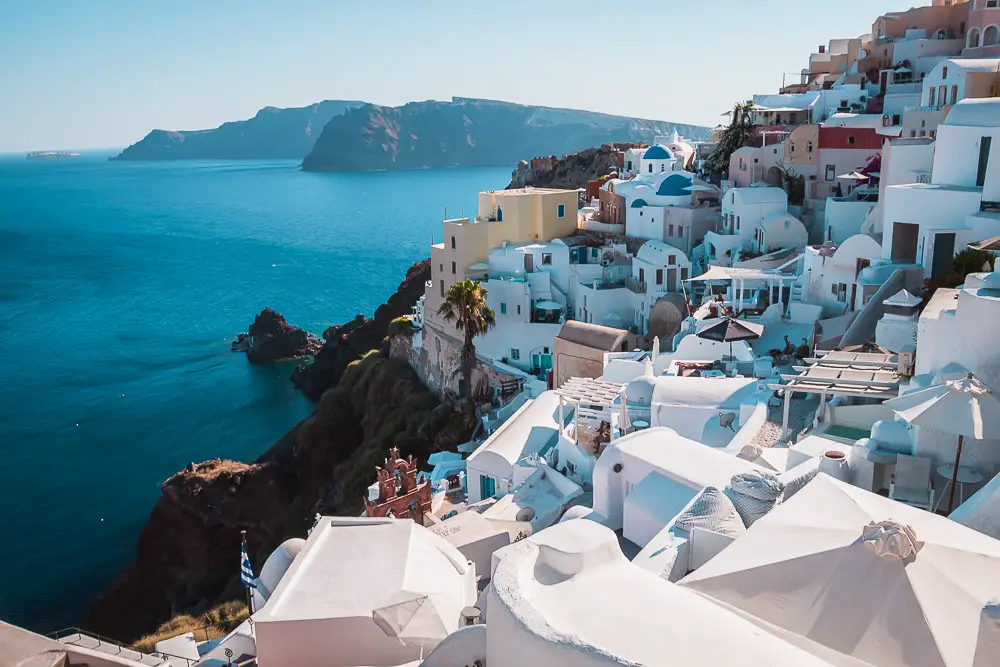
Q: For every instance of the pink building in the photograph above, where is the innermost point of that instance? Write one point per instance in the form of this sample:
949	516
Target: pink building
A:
983	37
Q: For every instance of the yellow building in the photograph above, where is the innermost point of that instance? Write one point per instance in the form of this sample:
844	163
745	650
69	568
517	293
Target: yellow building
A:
511	216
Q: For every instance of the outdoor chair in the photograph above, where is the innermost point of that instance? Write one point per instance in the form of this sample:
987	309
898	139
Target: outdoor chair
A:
889	439
911	483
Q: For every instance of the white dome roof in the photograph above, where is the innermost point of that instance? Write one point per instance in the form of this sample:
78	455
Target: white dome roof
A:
278	563
640	390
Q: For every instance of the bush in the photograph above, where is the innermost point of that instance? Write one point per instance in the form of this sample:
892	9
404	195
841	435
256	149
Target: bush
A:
218	621
802	351
401	326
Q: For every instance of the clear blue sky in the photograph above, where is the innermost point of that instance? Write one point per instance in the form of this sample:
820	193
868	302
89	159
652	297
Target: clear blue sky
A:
102	73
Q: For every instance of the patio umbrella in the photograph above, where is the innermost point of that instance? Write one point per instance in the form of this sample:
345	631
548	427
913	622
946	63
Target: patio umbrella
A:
966	408
853	176
871	578
730	329
414	620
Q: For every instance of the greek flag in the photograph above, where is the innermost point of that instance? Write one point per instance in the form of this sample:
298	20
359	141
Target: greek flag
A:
246	570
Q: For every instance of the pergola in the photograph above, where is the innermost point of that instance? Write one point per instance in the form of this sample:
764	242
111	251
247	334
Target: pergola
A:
842	373
592	398
739	277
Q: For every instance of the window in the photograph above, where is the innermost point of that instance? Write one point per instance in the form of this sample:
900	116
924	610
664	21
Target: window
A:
651	169
546	259
895	119
663	167
831	172
680	231
659	276
791	146
629	166
923	123
944	72
737	223
561	211
452	242
442	287
930	97
453	267
991	36
670	230
841	291
503	307
545	350
954	94
913	133
809	147
642	275
788	224
515	353
933	132
518	309
594	252
974	38
992	3
584	300
441	268
671	260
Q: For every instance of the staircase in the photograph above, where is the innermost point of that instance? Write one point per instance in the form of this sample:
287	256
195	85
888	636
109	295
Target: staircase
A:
77	637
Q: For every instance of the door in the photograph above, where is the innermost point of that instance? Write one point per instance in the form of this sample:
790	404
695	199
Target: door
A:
883	82
529	263
944	253
854	293
671	280
984	159
487	487
904	242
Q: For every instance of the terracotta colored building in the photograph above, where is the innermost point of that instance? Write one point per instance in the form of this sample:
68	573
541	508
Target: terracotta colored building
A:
399	495
543	163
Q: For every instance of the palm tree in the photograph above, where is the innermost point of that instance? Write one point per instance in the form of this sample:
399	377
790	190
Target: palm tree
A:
465	305
737	135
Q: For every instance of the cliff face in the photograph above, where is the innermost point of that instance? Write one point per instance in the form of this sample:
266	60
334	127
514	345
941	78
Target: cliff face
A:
187	553
347	342
367	402
272	133
468	133
569	172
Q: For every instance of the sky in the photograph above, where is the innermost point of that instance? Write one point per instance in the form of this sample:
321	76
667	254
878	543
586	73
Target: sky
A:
78	74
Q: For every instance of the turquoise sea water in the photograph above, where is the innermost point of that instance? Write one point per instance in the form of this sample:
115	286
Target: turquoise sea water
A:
121	286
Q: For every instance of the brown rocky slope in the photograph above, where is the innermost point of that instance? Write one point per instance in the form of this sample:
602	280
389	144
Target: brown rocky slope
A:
572	170
186	558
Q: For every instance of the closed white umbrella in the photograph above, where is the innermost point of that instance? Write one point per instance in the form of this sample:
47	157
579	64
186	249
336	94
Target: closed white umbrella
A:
966	408
871	578
413	620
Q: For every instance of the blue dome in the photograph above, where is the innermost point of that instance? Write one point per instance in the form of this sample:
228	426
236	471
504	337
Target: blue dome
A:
673	186
658	152
639	203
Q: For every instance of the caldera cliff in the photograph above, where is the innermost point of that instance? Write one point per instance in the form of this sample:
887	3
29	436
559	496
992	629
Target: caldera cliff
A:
186	556
469	133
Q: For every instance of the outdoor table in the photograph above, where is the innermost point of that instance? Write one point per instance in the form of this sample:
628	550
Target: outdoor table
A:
640	424
966	475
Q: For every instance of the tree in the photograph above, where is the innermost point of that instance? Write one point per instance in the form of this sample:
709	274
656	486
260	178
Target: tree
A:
465	305
741	130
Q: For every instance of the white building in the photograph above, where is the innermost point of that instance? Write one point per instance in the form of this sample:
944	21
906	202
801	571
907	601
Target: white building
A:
320	612
955	79
569	597
656	159
927	223
830	274
532	430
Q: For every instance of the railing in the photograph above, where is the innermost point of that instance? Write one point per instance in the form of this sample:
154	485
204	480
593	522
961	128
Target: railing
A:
112	647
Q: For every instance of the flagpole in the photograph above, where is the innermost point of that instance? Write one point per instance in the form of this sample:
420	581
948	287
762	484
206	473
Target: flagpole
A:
243	542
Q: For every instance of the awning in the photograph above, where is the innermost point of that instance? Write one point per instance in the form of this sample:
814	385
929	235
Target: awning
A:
479	267
732	273
545	304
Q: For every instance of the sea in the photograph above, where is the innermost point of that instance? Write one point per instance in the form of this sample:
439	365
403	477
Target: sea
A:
121	287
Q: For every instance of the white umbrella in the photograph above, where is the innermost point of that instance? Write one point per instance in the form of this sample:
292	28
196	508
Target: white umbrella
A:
966	408
656	347
701	188
414	620
871	578
853	176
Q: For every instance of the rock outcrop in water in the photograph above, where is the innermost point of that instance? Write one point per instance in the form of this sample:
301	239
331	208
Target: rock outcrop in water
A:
271	338
367	402
468	133
272	133
347	342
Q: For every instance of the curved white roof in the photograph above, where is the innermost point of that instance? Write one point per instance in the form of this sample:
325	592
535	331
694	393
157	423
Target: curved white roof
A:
656	252
569	589
278	563
858	120
528	431
768	195
971	64
984	112
699	392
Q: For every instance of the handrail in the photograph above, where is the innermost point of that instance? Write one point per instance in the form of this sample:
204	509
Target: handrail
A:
101	641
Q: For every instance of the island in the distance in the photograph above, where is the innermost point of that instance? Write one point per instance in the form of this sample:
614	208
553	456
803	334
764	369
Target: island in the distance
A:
470	133
51	155
272	133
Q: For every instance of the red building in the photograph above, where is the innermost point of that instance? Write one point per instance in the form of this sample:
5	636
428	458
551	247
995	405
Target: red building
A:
847	138
399	495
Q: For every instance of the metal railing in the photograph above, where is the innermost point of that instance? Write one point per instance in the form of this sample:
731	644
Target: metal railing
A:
111	647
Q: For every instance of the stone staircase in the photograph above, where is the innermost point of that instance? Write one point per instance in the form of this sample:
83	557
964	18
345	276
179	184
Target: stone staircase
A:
76	637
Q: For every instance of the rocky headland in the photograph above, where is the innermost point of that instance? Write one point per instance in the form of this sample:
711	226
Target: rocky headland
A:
468	132
367	402
271	133
571	171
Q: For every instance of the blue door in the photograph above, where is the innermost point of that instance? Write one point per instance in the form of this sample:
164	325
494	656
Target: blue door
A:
487	487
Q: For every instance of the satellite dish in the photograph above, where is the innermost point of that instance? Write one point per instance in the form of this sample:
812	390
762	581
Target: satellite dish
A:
525	514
